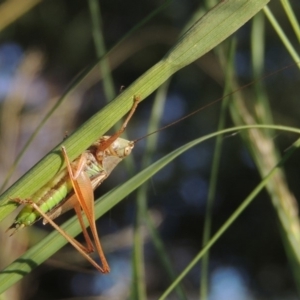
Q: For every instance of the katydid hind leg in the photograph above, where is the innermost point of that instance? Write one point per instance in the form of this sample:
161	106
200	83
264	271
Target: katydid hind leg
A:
86	235
80	248
86	200
84	191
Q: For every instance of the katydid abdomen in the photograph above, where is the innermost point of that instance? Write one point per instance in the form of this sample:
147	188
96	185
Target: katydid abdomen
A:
48	197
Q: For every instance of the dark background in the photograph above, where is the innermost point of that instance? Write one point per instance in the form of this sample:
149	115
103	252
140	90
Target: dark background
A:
249	261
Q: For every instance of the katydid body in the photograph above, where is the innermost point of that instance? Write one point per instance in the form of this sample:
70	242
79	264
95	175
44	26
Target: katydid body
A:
56	197
73	188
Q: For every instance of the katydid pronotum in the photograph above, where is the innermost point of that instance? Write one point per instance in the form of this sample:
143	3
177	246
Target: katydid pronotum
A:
73	188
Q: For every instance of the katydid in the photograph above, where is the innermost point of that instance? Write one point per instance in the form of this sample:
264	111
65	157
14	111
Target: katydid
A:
73	188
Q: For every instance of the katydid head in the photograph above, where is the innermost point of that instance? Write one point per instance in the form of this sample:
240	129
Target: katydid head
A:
119	148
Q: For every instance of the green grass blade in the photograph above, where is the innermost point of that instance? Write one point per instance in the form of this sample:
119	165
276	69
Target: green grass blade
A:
138	289
10	11
291	16
295	56
204	285
104	69
54	241
208	32
157	112
73	85
231	219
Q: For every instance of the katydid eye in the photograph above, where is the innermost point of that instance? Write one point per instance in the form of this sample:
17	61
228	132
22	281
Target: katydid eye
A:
127	151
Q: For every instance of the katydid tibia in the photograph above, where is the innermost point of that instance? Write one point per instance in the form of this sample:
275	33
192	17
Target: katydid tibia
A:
73	188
